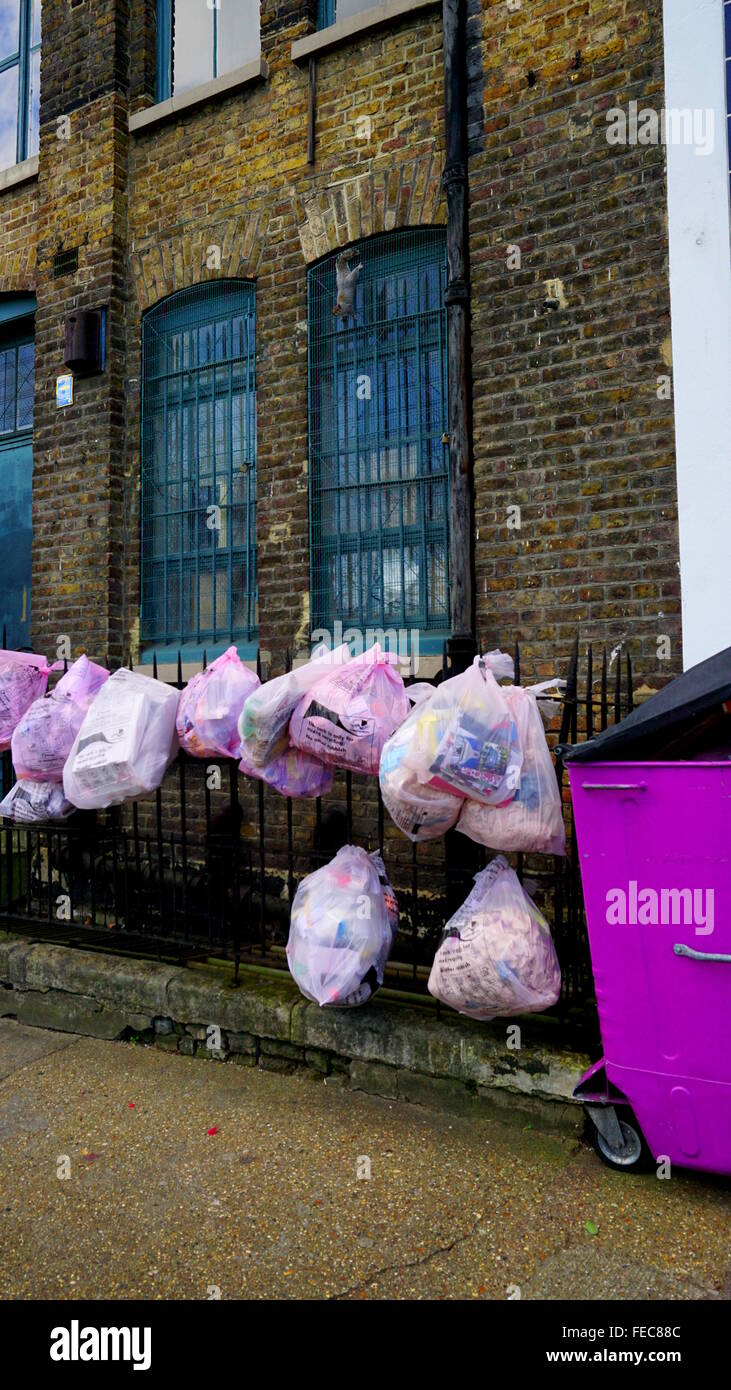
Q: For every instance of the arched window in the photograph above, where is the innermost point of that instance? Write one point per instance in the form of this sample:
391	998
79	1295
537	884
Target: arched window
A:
378	457
199	468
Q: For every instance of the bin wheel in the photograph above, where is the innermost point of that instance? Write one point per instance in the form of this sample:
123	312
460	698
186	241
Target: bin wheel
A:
636	1159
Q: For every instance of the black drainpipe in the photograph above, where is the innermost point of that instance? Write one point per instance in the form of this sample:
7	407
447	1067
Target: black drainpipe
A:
462	645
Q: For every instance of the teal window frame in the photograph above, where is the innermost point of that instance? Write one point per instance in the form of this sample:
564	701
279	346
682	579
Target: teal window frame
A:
198	451
325	13
164	49
26	143
378	418
17	331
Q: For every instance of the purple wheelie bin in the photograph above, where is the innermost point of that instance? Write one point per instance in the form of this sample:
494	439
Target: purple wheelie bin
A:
654	843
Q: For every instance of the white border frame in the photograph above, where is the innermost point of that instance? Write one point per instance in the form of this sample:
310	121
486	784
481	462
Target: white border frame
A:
699	233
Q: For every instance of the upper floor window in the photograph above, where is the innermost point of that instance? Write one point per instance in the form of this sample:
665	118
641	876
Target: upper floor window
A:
199	467
198	40
332	11
378	458
20	74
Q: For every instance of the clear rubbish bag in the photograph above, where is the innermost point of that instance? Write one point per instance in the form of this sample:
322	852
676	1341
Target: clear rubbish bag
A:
477	752
533	820
293	773
496	956
343	924
125	744
210	706
44	736
421	811
264	722
29	801
346	718
23	679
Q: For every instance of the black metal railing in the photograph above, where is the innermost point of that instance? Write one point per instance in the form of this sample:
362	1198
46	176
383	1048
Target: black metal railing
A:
209	864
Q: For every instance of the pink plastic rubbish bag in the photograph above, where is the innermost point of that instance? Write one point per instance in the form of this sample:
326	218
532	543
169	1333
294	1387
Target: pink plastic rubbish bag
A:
496	956
210	706
343	924
347	717
421	811
479	754
533	820
44	736
29	801
264	722
23	679
125	744
293	773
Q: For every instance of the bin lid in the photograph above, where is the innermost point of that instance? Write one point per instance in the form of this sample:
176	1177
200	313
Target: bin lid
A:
664	718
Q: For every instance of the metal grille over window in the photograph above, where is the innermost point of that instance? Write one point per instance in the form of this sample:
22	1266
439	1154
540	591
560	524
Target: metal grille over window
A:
16	389
378	456
199	467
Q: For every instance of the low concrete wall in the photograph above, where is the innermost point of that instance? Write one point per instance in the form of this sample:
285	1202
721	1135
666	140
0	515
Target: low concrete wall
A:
393	1048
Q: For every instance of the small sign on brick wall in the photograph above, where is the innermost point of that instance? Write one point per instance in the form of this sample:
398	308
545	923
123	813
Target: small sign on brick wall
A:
64	390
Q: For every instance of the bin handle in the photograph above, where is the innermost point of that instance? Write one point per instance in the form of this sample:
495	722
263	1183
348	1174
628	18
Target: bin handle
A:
681	950
614	786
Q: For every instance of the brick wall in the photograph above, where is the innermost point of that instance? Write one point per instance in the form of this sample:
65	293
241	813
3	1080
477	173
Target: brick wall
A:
568	423
78	528
19	212
234	173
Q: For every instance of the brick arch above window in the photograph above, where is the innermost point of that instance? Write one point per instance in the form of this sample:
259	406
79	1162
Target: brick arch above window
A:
409	195
231	247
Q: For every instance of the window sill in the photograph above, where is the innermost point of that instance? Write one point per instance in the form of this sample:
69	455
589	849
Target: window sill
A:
348	29
208	91
191	657
19	173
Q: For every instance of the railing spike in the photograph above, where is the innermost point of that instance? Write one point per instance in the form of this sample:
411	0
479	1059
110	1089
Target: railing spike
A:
590	692
569	703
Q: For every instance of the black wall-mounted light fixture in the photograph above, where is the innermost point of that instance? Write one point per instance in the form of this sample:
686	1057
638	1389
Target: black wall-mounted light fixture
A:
85	341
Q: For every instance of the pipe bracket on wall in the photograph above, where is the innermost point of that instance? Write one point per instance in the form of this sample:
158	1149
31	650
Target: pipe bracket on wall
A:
457	292
454	176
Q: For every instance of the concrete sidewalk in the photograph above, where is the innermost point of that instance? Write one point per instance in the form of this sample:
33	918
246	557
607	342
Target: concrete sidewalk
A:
395	1046
271	1205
